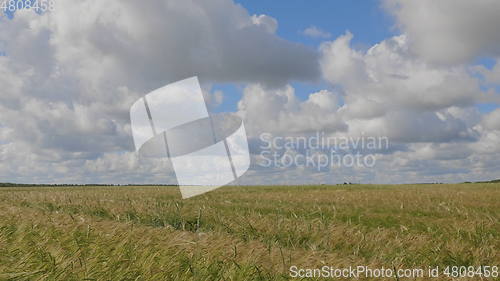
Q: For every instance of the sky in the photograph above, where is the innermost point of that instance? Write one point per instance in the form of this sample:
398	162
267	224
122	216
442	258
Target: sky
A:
332	18
422	74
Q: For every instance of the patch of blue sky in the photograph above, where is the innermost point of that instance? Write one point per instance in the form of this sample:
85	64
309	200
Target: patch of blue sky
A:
232	95
487	107
487	62
366	19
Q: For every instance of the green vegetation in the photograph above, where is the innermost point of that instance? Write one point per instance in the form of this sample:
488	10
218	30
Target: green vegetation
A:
242	233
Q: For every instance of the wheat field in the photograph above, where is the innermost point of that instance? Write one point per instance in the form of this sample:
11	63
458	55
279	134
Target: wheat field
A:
243	233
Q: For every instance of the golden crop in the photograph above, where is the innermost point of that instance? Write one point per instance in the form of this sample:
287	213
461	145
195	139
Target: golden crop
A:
242	233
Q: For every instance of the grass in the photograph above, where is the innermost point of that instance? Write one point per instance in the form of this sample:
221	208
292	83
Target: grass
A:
242	233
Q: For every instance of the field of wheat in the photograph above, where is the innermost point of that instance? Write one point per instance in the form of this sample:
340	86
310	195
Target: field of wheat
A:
243	233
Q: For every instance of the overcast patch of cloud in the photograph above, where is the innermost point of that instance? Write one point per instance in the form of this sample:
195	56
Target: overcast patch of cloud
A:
449	31
150	44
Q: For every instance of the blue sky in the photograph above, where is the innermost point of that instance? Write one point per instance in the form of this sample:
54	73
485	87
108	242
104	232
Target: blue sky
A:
423	98
366	19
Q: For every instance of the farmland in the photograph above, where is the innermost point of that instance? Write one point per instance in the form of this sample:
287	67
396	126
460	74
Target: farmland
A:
243	233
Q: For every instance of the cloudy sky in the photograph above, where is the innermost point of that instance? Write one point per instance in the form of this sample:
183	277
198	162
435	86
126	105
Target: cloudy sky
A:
425	74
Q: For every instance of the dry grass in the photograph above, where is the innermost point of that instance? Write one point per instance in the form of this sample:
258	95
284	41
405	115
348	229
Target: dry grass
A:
242	233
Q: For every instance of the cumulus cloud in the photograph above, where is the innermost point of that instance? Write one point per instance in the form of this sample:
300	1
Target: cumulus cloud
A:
449	31
149	44
428	111
280	111
69	76
388	75
389	90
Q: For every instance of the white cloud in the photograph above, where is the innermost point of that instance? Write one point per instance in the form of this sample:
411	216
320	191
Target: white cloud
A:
270	24
492	120
449	31
280	111
148	45
390	76
427	111
69	76
388	90
315	32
